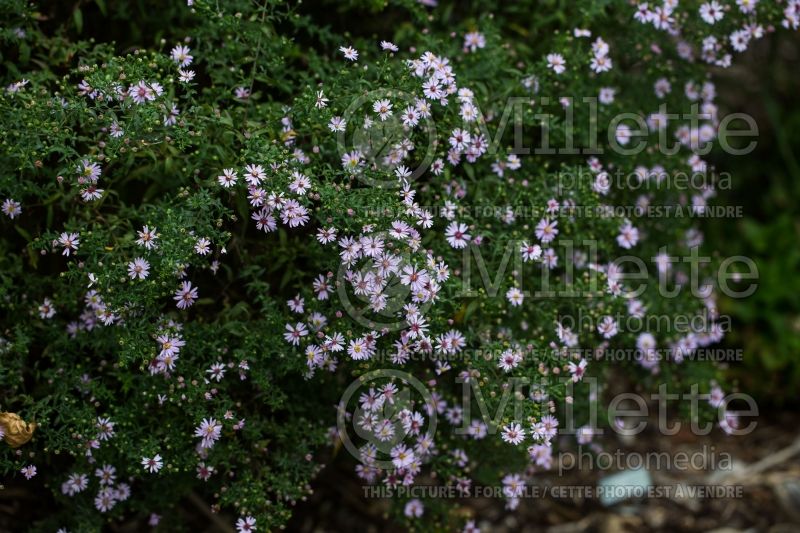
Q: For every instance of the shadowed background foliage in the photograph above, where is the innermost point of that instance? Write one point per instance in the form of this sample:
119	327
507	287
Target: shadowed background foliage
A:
766	325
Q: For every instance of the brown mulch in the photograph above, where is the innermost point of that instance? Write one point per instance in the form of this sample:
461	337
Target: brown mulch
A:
769	499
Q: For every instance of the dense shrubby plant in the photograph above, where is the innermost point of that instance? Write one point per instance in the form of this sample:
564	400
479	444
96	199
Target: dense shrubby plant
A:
211	236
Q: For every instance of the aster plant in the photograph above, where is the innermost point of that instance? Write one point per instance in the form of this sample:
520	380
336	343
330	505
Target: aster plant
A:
248	239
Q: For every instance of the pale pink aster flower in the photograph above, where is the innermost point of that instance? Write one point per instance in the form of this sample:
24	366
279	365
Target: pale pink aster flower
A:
509	360
515	296
337	124
584	435
294	333
747	6
142	92
474	40
513	433
180	55
470	527
186	295
246	524
711	12
326	236
209	430
88	172
264	220
75	484
171	118
204	471
557	63
530	252
349	52
228	178
577	370
628	236
351	161
402	456
217	371
69	241
107	474
11	208
152	464
546	230
105	428
716	397
139	268
456	234
254	174
202	246
105	500
321	102
185	76
170	345
607	95
296	304
607	327
147	238
46	310
28	471
414	508
383	108
91	192
513	485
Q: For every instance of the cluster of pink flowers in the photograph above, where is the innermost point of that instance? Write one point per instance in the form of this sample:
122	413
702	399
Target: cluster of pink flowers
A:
715	50
413	336
391	274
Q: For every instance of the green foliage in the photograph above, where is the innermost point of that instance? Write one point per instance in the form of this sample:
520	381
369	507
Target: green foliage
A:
117	148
